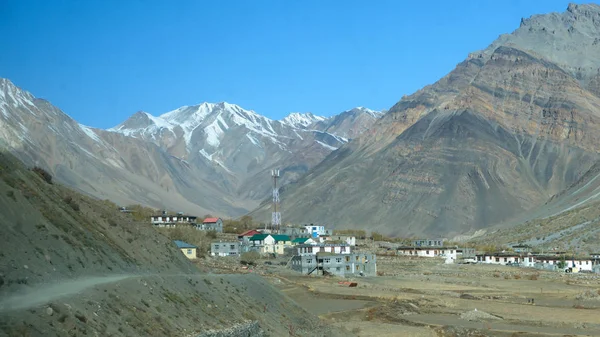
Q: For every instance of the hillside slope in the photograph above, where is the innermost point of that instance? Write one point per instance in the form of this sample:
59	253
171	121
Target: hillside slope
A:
507	129
71	265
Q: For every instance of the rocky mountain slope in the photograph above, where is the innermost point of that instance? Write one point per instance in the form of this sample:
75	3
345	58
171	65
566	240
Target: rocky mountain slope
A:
209	158
100	163
71	265
508	128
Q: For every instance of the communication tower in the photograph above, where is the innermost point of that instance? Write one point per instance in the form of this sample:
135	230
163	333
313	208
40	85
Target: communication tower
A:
276	216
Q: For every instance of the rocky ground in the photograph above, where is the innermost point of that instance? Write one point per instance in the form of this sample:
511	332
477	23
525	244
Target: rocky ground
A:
424	297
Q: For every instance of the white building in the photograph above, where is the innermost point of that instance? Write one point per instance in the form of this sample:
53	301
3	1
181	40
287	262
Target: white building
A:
165	220
499	258
349	240
536	260
315	231
578	264
211	224
323	248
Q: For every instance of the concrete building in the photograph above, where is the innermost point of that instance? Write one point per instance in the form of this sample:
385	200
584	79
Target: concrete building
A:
187	249
499	258
429	242
211	224
270	243
245	236
295	232
337	248
171	221
357	264
521	248
595	259
574	263
349	240
225	248
315	231
450	254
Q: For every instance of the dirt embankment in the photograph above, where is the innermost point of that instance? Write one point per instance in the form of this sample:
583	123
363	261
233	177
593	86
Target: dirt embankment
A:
72	265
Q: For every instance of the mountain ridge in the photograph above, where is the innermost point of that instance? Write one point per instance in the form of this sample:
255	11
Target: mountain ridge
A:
497	136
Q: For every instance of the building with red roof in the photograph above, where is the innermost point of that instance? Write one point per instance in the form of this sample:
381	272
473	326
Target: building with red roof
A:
211	224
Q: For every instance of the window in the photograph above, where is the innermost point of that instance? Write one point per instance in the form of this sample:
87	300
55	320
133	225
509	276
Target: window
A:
189	252
337	268
347	267
347	258
327	260
216	247
505	259
497	259
308	260
338	260
232	247
356	257
427	252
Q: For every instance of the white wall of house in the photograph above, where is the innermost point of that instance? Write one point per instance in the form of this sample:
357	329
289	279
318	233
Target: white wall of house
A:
314	249
528	261
578	264
433	252
491	259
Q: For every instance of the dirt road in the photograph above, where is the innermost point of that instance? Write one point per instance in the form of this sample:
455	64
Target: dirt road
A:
32	297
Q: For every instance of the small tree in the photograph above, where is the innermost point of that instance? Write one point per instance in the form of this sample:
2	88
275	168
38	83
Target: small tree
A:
43	173
249	258
562	263
246	221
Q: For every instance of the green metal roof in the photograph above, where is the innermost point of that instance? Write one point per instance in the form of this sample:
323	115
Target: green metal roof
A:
261	237
281	237
299	240
258	237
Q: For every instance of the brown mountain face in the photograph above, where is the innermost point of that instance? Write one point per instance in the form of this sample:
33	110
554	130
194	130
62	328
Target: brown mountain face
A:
508	128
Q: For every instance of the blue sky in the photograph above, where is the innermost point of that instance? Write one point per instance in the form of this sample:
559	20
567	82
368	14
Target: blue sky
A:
101	61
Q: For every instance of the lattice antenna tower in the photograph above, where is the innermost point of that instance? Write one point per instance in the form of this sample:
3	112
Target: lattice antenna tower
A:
276	216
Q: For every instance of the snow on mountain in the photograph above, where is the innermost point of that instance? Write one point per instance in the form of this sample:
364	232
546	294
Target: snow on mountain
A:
373	113
220	132
301	120
90	133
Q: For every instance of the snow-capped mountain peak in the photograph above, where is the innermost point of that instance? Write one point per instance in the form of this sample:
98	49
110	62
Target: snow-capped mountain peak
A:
368	111
301	120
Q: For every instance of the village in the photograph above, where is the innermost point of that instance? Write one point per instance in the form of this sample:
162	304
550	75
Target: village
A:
316	250
373	285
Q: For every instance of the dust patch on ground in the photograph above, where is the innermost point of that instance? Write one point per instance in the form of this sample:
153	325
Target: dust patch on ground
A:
32	297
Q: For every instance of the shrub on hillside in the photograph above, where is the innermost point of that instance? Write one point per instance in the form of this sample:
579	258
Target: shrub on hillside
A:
211	234
249	258
43	173
69	200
